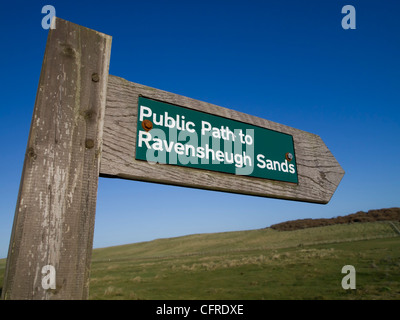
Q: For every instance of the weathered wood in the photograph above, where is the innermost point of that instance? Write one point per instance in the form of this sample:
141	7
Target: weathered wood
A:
318	171
54	218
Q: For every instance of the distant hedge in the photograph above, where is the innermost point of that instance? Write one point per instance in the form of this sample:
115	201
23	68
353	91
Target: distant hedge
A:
389	214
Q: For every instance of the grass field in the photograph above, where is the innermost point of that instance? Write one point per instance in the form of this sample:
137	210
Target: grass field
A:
255	264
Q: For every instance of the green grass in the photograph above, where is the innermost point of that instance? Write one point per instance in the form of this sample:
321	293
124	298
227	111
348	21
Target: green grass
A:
255	264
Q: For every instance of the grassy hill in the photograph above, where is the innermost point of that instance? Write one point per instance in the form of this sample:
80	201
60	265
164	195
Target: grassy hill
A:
255	264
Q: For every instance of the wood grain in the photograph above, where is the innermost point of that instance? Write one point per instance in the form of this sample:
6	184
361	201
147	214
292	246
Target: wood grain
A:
54	218
318	171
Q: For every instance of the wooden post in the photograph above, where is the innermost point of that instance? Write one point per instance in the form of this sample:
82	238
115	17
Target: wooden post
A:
51	243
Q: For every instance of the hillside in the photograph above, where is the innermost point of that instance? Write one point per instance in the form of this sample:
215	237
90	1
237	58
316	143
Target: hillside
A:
389	214
243	241
268	238
255	264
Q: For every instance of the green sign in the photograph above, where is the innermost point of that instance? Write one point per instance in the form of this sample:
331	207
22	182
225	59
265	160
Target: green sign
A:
174	135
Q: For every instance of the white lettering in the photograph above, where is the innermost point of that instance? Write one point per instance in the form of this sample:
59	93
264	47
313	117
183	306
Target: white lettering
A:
205	126
173	310
145	140
260	159
144	109
221	309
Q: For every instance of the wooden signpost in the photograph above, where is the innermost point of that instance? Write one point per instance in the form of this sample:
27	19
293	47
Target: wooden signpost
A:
88	123
318	172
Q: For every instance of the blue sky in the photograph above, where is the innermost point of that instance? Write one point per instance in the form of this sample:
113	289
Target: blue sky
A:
286	61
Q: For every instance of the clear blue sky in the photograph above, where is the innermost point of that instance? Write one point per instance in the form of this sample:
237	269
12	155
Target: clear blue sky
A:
287	61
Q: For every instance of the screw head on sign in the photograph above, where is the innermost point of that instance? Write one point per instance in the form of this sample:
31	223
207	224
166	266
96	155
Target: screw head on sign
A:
95	77
89	143
289	156
147	125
